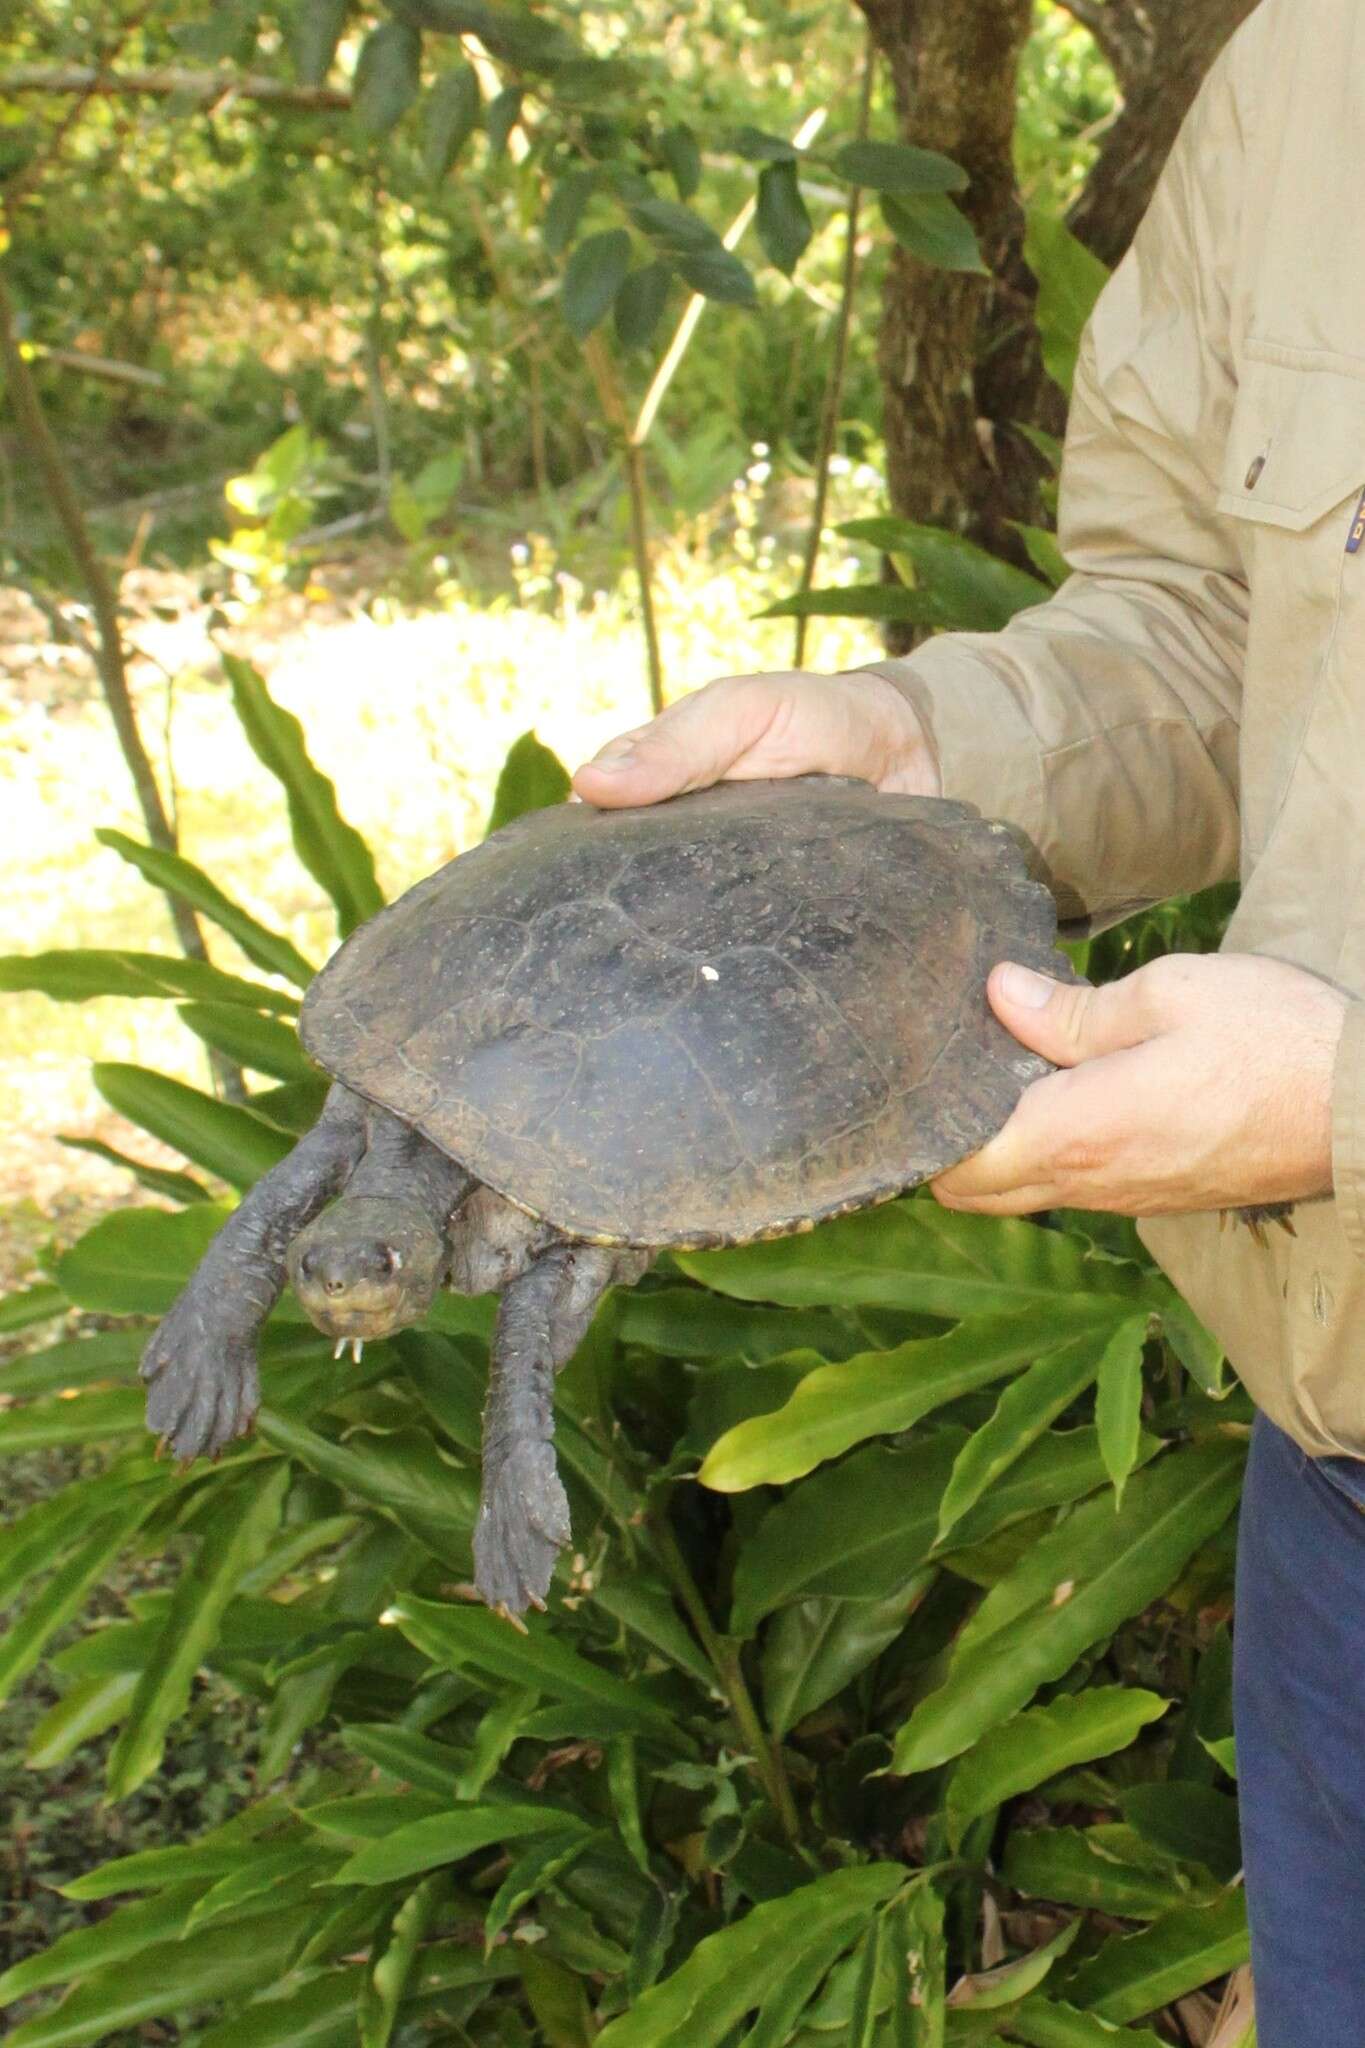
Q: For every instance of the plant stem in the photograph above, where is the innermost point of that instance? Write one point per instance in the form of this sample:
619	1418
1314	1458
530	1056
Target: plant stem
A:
724	1655
834	387
613	404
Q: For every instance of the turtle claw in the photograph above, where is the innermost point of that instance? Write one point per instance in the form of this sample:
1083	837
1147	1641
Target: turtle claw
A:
523	1524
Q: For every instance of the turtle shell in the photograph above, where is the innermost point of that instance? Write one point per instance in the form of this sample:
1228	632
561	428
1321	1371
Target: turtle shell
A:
699	1022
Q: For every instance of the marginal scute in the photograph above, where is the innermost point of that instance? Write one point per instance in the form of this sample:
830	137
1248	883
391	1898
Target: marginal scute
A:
705	1022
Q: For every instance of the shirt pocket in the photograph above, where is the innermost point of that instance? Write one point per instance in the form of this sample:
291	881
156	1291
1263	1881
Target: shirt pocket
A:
1292	481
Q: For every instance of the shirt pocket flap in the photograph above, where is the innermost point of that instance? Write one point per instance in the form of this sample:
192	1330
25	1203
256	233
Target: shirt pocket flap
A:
1296	443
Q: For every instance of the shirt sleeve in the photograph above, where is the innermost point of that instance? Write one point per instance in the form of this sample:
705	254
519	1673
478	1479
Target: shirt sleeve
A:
1104	722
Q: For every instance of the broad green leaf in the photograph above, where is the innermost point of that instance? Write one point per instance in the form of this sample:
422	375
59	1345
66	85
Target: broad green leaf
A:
732	1972
758	147
989	1990
79	973
969	587
218	1136
226	1847
1038	1744
595	273
44	1425
504	112
532	779
813	1649
231	1540
171	1977
789	1997
564	210
640	303
292	1108
915	1255
1118	1401
1070	279
123	1934
392	1970
333	852
158	1180
75	1362
836	1406
1044	552
27	1306
513	33
387	77
136	1261
919	1938
783	224
1029	1405
314	29
531	1873
858	601
558	2000
1134	1974
86	1709
263	1044
1105	1868
1224	1753
270	951
898	167
373	1816
499	1727
472	1639
28	1634
450	114
649	1612
447	1838
1049	2023
271	1869
1189	1821
689	1322
401	1471
39	1537
939	233
404	1754
1072	1589
692	248
322	2014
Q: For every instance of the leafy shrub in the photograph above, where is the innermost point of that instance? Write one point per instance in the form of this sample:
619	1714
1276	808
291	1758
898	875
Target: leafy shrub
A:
890	1658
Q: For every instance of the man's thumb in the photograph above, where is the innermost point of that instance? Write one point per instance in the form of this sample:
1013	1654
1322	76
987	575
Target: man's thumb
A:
1066	1022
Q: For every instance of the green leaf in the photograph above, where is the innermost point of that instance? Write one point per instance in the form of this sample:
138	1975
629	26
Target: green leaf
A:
472	1639
1049	2023
219	1136
815	1648
124	1933
443	1838
333	852
898	167
399	1470
232	1538
75	1362
559	224
1044	552
1134	1974
689	1322
314	28
686	242
1191	1822
504	112
1101	1868
64	1593
731	1972
1070	279
498	1729
970	588
1118	1401
320	2015
27	1306
263	1044
783	223
679	150
158	1180
1071	1590
136	1261
46	1425
1027	1407
789	1997
514	34
757	146
532	779
387	77
650	1614
392	1971
935	231
1039	1744
558	2001
85	1710
530	1874
595	274
857	601
836	1406
80	973
404	1754
992	1989
1224	1753
640	304
268	950
451	113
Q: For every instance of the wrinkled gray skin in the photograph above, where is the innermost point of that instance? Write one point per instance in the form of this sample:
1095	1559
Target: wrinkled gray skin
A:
403	1221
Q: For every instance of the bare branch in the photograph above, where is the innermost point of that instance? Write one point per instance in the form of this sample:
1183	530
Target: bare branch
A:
210	88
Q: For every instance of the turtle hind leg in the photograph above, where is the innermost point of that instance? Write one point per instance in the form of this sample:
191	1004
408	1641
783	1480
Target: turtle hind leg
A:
523	1520
203	1386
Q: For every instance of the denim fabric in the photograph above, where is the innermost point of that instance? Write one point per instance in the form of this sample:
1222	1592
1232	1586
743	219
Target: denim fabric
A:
1299	1709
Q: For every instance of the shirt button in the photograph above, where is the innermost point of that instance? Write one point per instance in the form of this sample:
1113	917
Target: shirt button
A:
1254	473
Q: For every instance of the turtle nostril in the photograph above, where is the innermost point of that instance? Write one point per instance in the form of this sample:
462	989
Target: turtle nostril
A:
334	1285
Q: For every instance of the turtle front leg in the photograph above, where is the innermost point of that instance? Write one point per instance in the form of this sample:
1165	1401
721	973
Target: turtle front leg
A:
523	1512
203	1385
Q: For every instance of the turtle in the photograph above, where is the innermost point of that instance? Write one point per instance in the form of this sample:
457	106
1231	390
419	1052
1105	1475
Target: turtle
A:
600	1034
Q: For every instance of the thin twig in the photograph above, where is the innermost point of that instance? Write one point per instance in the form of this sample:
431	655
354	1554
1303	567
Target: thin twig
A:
612	400
168	82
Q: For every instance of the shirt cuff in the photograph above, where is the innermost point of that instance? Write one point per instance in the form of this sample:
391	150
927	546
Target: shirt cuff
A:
987	752
1348	1128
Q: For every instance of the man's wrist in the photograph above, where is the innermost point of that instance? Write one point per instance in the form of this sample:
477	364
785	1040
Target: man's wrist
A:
911	768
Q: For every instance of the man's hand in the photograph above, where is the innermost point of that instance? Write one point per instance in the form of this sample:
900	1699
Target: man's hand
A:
745	727
1197	1082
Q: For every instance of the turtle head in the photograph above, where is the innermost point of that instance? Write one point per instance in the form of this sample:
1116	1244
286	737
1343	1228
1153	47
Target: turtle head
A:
368	1266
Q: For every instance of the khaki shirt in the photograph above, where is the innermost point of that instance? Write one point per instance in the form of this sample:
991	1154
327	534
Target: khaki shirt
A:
1191	703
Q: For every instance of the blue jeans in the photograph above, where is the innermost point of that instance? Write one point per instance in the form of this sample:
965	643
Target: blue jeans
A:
1299	1711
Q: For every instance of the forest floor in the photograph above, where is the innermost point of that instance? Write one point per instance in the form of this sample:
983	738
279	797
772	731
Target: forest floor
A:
409	702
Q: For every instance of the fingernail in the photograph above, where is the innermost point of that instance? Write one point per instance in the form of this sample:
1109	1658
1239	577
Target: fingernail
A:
614	757
1021	985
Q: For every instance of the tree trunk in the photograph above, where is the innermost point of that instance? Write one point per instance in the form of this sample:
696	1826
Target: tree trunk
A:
1159	51
959	354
